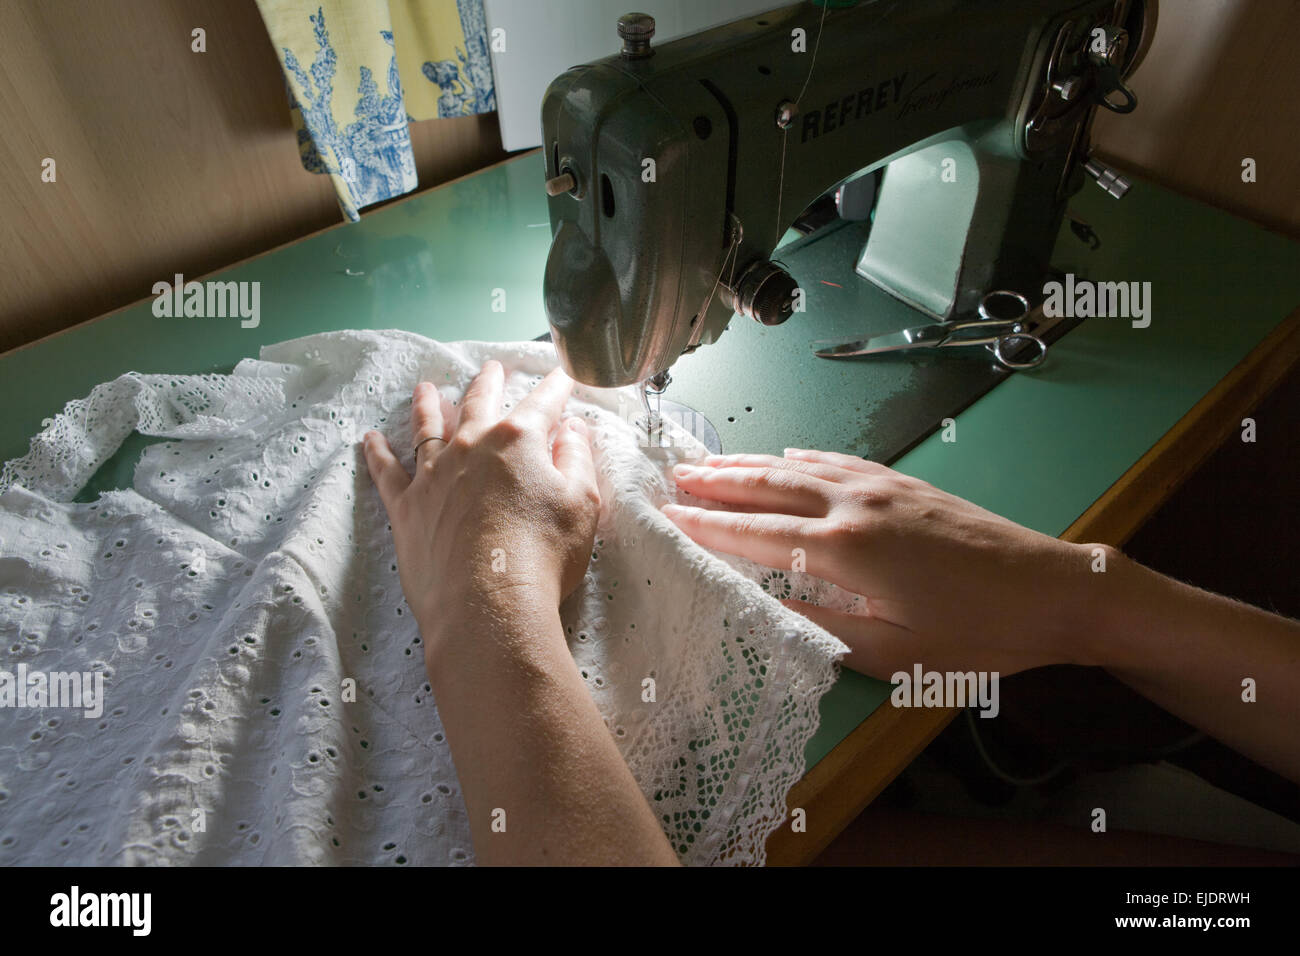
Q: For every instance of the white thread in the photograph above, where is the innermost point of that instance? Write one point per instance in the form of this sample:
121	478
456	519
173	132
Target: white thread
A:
731	250
780	183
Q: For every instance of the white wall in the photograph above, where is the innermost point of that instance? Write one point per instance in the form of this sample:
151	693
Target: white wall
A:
543	38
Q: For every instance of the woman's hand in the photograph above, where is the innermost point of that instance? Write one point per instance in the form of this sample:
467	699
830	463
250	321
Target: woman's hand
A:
500	508
947	584
494	530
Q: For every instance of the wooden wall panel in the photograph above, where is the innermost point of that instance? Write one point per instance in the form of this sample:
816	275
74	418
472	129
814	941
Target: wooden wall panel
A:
1219	84
168	160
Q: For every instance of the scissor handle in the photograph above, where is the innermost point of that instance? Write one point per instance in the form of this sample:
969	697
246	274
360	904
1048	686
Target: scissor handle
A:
1005	346
1003	305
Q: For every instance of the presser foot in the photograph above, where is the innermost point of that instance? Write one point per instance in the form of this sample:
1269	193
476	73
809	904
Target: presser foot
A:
656	410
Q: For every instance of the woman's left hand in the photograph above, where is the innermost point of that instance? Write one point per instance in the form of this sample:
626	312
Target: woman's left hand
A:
500	508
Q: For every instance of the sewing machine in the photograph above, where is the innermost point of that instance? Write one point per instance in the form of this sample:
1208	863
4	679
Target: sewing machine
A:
674	171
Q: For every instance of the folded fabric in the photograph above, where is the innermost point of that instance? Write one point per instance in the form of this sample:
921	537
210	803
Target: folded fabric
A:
264	699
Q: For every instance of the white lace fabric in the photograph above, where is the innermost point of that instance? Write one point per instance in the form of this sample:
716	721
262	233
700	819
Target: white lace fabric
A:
247	581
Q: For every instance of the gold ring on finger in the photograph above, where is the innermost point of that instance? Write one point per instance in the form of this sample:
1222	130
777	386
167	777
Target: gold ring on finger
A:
422	441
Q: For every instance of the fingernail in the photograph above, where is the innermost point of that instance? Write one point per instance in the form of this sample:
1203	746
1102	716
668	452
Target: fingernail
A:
685	471
671	509
576	425
793	451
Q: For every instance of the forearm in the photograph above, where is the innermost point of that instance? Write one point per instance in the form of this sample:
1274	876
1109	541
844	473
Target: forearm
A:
542	779
1192	653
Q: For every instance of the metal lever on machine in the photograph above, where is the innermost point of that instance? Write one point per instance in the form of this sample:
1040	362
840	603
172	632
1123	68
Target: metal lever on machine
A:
1109	61
1107	178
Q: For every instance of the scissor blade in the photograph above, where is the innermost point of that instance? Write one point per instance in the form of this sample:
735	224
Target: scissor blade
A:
920	337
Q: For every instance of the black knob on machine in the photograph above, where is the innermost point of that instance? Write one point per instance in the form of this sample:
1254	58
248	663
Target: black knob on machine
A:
766	293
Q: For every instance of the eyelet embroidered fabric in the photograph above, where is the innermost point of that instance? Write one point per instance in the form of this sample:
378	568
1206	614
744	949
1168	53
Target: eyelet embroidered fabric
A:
248	580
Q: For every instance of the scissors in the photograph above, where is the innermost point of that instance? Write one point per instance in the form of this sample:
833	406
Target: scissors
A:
1000	328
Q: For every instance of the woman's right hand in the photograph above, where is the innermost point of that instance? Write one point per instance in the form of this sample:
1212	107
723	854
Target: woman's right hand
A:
947	584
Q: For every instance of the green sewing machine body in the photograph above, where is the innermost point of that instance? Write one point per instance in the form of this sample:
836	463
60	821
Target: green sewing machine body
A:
674	171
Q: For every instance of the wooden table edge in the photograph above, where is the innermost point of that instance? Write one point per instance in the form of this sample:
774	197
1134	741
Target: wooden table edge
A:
841	785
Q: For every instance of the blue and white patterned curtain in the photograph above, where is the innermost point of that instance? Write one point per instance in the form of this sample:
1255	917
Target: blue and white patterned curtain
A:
357	73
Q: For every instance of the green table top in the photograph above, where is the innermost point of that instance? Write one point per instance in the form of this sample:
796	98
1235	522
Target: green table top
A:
1039	449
